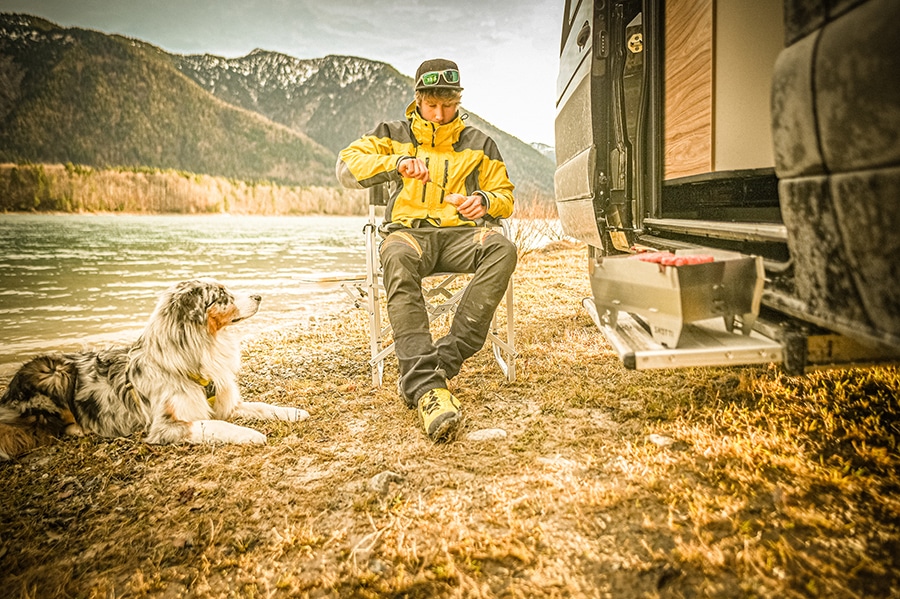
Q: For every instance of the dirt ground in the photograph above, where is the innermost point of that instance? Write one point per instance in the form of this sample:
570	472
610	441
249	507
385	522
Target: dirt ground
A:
705	482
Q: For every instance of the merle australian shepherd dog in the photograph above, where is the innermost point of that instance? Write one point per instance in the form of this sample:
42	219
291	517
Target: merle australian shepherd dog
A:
177	383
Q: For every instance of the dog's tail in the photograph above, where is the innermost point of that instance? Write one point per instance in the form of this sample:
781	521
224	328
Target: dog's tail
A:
37	405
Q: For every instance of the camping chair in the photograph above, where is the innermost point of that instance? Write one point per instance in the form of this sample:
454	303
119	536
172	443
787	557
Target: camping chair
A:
442	298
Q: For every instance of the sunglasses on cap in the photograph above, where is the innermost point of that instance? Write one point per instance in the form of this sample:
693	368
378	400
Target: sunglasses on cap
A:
433	77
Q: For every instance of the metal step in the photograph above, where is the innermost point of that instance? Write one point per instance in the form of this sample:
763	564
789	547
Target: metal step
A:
765	232
702	343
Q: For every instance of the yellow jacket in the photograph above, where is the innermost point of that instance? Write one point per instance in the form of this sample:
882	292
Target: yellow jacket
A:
461	159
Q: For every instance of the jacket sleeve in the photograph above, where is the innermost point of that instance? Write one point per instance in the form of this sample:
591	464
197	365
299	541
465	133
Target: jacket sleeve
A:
368	161
496	187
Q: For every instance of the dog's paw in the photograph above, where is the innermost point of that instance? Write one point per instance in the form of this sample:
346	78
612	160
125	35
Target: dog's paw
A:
74	430
290	414
216	431
264	411
248	436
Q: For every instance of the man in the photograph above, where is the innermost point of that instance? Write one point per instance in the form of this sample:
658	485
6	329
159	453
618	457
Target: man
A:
448	177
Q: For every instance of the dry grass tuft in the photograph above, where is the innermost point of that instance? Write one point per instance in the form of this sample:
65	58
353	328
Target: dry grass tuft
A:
772	486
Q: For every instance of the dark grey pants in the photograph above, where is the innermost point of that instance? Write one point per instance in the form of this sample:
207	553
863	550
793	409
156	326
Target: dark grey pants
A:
409	255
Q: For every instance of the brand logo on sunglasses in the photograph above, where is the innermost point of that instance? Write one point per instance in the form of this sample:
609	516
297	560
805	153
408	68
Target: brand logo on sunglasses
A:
433	77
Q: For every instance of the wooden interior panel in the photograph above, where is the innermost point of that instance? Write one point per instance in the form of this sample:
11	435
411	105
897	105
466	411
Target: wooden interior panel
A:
688	144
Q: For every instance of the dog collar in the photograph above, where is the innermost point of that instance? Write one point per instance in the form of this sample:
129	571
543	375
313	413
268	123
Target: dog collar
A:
208	386
129	386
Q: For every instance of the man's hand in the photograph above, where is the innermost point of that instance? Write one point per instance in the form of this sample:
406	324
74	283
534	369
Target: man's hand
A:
414	169
468	206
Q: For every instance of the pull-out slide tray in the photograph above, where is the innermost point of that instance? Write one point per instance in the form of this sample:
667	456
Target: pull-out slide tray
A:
702	343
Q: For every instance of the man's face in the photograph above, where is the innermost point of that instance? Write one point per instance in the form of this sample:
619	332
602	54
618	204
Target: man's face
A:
438	111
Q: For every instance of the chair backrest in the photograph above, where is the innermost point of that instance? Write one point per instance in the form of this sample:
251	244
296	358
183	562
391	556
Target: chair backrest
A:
378	195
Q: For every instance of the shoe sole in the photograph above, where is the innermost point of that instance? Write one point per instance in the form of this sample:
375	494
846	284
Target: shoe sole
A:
445	429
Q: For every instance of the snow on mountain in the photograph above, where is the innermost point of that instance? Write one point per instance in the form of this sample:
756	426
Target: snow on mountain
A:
266	70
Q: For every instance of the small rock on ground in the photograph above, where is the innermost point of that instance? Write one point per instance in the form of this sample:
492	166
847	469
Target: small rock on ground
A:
381	482
486	434
660	440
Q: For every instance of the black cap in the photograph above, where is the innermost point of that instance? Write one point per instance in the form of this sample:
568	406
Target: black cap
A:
437	64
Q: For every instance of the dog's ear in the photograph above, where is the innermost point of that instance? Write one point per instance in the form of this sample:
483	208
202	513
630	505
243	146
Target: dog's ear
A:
192	300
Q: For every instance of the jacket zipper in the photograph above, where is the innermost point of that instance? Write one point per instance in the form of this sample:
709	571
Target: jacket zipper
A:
425	186
446	177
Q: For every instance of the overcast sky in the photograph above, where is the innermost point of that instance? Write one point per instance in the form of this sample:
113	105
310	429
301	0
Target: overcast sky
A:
507	50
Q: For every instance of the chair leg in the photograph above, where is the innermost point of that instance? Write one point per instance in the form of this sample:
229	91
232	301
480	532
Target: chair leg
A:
376	365
511	333
373	303
505	349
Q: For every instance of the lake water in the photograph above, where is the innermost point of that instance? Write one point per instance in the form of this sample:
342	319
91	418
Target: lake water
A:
67	282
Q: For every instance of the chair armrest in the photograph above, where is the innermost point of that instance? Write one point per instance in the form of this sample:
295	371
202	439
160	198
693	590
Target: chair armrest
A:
505	226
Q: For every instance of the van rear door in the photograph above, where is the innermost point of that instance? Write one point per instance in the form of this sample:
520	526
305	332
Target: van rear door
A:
609	177
599	108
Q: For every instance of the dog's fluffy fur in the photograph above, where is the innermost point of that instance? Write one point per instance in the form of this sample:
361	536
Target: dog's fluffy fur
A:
177	383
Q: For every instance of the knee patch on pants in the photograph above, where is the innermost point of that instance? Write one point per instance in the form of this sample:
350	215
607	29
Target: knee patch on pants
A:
482	234
404	238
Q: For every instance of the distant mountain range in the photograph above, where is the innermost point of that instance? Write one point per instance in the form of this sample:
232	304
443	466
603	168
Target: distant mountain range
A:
80	96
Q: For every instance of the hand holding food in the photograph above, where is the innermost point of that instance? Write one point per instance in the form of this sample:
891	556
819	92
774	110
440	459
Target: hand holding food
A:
468	206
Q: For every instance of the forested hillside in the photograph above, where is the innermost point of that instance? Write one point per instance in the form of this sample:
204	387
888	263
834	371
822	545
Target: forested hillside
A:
88	98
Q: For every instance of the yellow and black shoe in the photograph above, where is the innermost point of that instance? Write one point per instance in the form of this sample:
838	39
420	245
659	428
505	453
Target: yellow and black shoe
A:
441	414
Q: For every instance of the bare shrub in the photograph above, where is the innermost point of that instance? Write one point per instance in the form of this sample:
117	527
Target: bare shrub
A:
536	224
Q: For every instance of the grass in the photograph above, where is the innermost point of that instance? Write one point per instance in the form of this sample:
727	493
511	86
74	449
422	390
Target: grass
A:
756	484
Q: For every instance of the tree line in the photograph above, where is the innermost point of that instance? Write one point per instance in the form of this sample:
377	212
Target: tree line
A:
71	188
